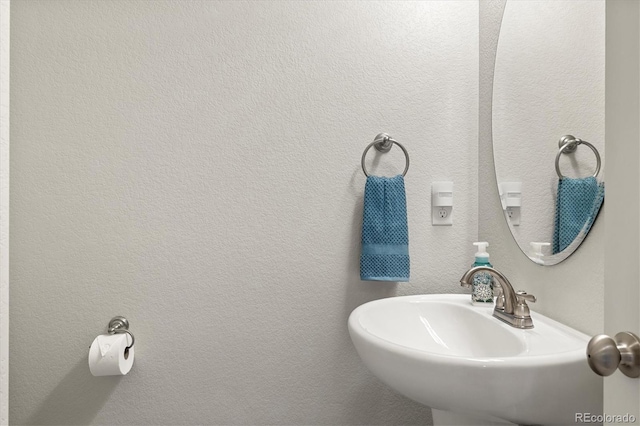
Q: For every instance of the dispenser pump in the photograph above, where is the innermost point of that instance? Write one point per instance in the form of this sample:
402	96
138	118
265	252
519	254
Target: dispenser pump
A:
482	254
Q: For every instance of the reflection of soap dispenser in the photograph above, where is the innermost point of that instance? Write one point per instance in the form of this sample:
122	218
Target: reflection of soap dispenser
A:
482	283
536	252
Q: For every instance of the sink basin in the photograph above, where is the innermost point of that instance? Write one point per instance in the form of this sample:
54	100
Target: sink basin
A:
443	352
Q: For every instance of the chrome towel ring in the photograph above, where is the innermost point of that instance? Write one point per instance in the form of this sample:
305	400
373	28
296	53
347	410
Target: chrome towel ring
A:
383	143
568	145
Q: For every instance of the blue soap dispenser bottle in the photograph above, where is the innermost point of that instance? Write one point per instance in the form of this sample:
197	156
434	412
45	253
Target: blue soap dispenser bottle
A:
482	283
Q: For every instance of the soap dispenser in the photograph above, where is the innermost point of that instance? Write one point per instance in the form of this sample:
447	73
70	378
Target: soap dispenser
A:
482	283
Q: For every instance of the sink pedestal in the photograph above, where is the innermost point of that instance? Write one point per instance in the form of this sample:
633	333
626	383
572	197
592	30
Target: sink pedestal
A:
448	418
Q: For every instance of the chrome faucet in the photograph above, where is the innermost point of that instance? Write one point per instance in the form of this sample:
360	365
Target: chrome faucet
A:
511	306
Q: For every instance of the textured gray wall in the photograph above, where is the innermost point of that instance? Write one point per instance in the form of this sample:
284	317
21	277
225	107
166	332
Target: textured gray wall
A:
194	166
104	205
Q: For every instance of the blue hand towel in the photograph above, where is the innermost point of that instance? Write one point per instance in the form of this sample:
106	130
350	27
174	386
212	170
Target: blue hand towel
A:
385	234
577	206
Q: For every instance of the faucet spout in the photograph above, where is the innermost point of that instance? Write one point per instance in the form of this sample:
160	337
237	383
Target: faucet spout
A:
516	312
507	288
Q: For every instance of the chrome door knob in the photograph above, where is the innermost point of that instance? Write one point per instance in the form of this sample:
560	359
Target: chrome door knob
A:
605	354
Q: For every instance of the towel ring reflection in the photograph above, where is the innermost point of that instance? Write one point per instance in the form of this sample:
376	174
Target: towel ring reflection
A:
568	144
383	143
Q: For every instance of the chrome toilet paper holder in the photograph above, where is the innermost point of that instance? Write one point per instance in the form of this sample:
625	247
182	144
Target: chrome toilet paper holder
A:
120	325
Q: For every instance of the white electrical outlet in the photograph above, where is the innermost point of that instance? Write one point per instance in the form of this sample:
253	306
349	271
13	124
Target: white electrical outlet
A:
442	203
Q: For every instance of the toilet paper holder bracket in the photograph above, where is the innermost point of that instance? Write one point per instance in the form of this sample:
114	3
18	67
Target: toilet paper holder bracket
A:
119	325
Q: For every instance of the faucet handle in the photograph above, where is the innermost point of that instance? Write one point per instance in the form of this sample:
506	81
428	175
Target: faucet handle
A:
522	309
523	297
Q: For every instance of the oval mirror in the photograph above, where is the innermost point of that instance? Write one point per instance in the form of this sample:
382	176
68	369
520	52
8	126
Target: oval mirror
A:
548	95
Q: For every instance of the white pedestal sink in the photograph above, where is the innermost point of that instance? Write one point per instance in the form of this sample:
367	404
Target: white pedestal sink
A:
470	367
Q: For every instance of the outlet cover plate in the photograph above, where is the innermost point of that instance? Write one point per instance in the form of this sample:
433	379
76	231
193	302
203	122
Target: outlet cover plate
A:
442	203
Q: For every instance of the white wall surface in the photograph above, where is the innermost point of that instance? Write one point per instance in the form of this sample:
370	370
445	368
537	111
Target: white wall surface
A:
194	166
571	292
